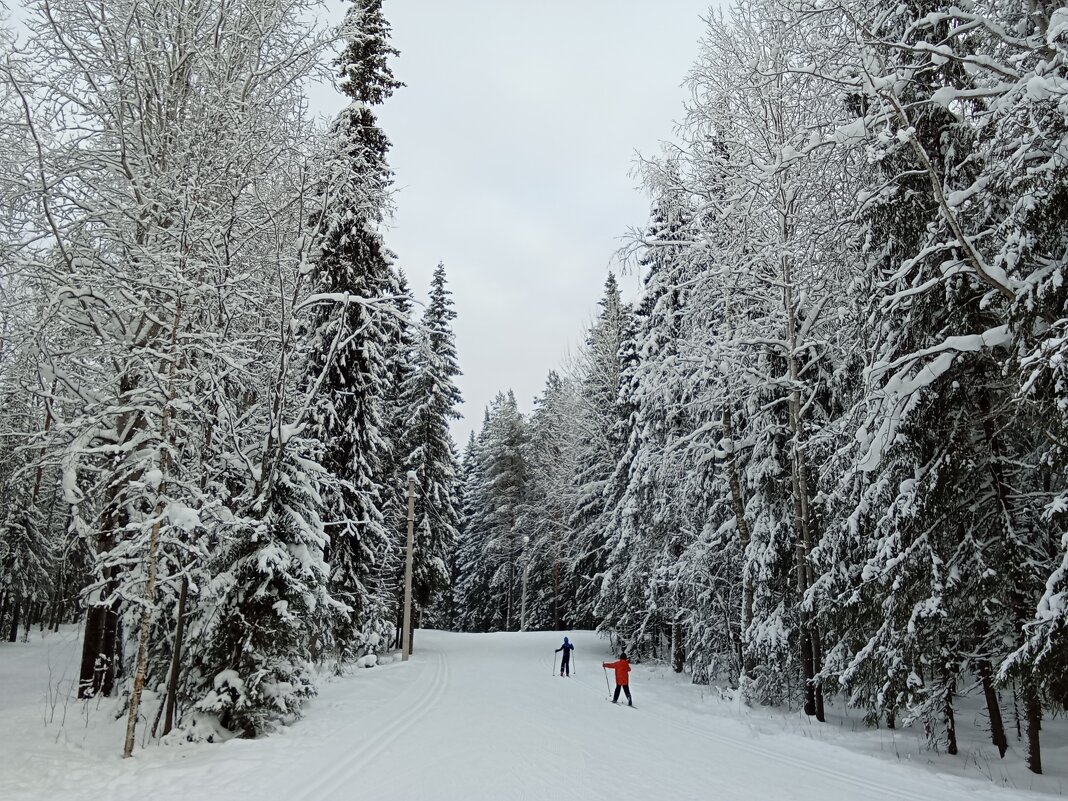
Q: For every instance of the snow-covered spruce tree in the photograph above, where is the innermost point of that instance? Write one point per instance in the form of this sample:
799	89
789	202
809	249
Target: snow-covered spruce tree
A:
26	562
648	528
549	457
357	309
602	427
932	526
445	614
470	587
270	581
1025	177
490	554
29	546
434	400
398	433
30	492
679	581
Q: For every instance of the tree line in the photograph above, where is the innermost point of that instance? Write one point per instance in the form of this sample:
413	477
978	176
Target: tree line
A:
213	374
823	453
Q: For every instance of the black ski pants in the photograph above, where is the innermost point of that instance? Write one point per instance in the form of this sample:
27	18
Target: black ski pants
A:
565	665
626	689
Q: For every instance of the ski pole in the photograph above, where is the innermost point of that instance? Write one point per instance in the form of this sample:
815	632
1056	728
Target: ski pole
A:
554	663
606	684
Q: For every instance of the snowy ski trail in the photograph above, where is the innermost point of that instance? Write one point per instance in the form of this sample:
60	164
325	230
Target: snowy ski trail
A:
411	706
476	717
502	727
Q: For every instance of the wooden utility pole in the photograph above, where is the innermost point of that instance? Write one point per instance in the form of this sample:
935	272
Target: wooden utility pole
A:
406	632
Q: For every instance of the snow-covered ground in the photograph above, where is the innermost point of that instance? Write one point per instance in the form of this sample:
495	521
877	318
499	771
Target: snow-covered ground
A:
484	717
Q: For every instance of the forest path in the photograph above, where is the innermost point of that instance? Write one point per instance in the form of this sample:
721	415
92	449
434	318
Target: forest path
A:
484	716
470	717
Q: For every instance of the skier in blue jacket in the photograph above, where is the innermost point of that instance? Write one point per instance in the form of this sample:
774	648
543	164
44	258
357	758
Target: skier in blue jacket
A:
565	660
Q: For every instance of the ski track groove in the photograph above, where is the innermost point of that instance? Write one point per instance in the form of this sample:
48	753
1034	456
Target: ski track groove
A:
333	779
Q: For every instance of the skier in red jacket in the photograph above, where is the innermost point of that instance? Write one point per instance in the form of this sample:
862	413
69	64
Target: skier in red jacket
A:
622	669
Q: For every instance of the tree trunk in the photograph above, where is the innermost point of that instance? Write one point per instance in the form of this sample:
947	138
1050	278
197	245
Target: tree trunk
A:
993	708
508	600
805	569
1016	711
951	721
1033	710
109	646
92	650
744	537
152	561
56	610
817	666
678	641
143	635
13	635
57	598
802	515
176	659
1019	600
417	621
807	661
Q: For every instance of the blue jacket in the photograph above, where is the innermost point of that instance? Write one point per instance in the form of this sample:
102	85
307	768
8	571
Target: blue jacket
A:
567	648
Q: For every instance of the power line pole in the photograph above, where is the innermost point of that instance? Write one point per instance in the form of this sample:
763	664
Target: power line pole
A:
406	632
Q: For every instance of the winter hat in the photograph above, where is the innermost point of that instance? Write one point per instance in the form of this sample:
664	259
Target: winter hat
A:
565	640
622	654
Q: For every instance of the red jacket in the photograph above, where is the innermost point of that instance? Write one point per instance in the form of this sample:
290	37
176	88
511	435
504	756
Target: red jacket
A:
622	669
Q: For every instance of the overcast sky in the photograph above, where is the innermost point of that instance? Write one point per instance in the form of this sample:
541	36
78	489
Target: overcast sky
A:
513	144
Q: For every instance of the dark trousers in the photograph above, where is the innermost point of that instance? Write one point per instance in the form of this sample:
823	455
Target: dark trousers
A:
625	689
565	666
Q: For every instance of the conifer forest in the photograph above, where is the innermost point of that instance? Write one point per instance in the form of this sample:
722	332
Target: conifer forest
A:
810	451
